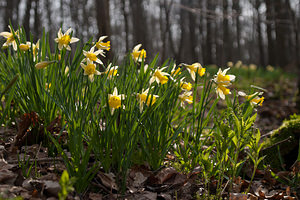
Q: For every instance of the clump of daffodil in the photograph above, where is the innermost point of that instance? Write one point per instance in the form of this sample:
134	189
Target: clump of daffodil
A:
90	70
146	98
92	55
43	64
111	71
195	68
65	39
185	85
115	100
253	98
10	38
159	76
223	81
103	45
185	97
175	71
137	54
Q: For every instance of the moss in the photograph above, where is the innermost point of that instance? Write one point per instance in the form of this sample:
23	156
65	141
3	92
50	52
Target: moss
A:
286	137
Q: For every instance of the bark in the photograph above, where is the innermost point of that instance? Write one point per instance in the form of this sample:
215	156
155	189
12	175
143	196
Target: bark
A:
8	13
126	24
26	20
237	12
208	58
37	20
259	34
270	20
227	47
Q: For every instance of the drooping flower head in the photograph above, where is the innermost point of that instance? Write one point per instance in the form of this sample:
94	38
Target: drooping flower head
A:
253	98
43	64
146	98
25	47
103	45
223	81
115	100
159	76
195	68
10	38
65	39
187	86
185	97
111	71
137	54
92	55
175	71
90	70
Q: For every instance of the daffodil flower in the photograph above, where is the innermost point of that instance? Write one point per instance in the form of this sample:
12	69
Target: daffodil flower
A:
10	38
25	47
111	71
222	78
175	71
159	76
137	54
90	70
147	98
195	68
64	40
114	100
103	45
254	98
222	91
185	97
185	85
92	56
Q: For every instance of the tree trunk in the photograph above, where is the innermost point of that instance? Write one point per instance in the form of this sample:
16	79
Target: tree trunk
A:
259	34
126	25
37	20
208	59
227	47
237	12
270	20
26	20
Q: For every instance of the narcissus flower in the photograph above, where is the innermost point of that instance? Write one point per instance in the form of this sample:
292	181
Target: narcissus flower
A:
222	78
90	70
175	71
185	85
92	56
137	54
43	64
146	98
65	39
111	71
25	47
103	45
10	38
185	97
115	100
222	91
195	68
159	76
253	98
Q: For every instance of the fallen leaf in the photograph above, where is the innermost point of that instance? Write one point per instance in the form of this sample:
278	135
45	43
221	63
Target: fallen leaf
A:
107	180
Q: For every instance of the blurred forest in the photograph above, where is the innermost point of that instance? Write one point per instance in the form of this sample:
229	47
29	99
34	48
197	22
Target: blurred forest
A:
208	31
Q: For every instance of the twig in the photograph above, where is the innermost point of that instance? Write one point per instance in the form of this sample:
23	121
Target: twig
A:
36	160
278	143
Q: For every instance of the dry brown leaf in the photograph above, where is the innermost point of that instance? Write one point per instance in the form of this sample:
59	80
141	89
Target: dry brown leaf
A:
237	196
7	177
107	180
139	179
95	196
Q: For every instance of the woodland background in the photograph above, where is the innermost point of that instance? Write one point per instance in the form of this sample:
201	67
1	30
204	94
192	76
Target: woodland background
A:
262	32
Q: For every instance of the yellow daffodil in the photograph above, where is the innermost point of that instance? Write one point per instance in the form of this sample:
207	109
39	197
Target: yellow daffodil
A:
185	97
43	64
195	68
10	38
222	91
92	56
159	76
185	85
222	78
146	98
252	67
270	68
229	64
64	40
137	54
175	71
90	70
111	71
114	100
253	98
103	45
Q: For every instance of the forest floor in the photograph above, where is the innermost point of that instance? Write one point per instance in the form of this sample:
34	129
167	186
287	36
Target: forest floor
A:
38	177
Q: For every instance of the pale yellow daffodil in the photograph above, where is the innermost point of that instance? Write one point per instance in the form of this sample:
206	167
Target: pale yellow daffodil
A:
185	97
146	98
253	98
195	68
92	55
115	100
103	45
222	78
222	91
159	76
111	71
185	85
90	70
175	71
137	54
10	38
65	39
